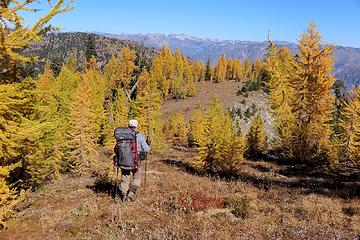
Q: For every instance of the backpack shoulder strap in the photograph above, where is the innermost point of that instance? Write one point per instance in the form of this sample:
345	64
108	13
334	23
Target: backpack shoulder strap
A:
136	153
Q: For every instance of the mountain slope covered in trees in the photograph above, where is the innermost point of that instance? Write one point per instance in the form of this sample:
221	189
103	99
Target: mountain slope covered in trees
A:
59	46
347	59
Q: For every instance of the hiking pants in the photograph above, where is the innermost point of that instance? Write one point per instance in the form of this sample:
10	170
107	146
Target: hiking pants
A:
126	177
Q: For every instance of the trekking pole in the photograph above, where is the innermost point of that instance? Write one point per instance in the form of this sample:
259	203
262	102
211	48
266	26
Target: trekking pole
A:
148	154
145	172
116	183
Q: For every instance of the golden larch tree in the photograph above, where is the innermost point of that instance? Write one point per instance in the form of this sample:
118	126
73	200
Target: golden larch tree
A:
177	88
279	64
246	69
189	79
312	101
111	73
197	70
23	136
168	70
220	148
256	138
220	69
177	128
44	84
15	34
237	68
202	72
148	111
83	129
351	126
196	127
256	69
126	66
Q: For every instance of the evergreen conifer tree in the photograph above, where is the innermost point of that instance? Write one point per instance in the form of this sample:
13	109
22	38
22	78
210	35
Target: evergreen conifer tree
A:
55	62
90	48
208	71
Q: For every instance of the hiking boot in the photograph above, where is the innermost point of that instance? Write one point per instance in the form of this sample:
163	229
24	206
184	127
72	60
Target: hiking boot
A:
131	197
123	197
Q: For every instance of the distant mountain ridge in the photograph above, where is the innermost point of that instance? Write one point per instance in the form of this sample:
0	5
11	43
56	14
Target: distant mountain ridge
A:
62	44
347	59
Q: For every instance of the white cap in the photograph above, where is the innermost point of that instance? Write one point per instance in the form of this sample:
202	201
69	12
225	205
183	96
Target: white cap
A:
133	123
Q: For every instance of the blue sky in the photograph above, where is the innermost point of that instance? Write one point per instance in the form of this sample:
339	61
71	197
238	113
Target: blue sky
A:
338	21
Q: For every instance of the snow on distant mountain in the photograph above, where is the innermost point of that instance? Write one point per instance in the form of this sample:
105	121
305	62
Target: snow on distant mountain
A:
347	59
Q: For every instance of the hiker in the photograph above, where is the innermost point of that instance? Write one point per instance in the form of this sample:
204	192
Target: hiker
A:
130	149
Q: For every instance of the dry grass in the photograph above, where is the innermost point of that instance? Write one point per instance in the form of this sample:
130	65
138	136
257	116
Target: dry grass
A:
179	204
264	200
225	91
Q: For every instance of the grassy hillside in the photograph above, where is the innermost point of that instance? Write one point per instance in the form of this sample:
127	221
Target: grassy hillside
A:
254	102
263	199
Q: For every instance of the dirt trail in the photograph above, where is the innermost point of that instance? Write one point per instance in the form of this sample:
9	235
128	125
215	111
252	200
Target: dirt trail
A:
181	203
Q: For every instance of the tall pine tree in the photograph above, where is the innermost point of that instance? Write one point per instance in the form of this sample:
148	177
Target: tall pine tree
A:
208	71
90	48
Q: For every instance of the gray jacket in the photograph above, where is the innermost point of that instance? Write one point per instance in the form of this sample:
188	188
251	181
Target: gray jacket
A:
141	143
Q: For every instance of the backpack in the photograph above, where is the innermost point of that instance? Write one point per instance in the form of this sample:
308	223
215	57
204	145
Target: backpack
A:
126	148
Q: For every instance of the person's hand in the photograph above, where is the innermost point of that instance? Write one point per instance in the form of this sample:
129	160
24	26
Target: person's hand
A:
142	156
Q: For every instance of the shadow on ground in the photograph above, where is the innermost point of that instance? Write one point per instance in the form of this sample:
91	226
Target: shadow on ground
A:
344	181
105	185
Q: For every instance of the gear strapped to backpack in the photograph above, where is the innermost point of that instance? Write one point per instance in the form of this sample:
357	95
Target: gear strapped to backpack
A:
126	148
